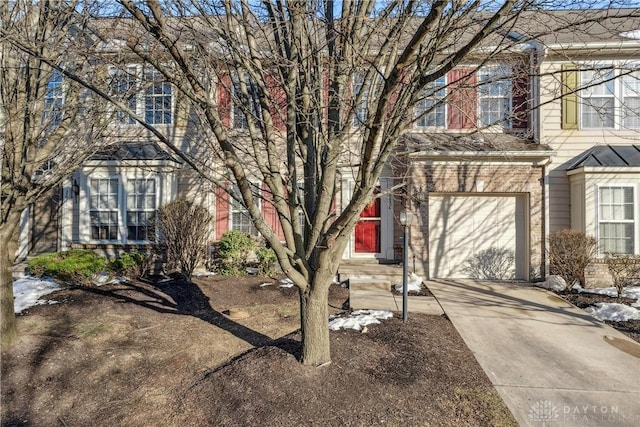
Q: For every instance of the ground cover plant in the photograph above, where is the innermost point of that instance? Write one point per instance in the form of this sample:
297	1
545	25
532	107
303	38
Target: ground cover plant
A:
126	354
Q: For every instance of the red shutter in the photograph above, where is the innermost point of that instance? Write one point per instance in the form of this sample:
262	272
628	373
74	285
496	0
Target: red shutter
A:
278	107
519	97
269	212
224	100
462	105
222	212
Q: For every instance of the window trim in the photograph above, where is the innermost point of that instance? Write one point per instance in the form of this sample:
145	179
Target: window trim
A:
636	211
118	208
235	95
257	186
126	209
53	114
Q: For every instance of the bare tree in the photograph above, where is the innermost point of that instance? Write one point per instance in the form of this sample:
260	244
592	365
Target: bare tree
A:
46	122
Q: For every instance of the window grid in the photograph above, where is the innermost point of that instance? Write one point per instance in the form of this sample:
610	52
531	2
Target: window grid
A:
494	96
431	110
103	208
240	120
123	85
631	100
598	99
141	209
54	99
616	222
240	218
157	99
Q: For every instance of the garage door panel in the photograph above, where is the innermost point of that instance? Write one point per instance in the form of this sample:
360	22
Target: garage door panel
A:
461	227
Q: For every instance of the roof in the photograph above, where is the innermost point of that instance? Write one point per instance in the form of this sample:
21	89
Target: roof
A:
145	151
478	142
609	156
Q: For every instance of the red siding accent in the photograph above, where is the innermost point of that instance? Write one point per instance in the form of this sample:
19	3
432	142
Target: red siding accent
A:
269	212
520	90
222	212
462	113
224	100
278	107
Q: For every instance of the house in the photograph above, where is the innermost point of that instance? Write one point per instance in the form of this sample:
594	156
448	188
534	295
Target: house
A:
542	138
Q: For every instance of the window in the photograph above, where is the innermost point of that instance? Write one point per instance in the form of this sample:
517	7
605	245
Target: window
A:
103	208
157	99
598	98
141	208
53	100
616	222
631	100
123	86
240	218
243	103
365	88
494	96
430	110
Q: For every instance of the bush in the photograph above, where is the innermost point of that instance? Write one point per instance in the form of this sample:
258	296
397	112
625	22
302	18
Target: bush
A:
570	252
132	264
233	251
268	261
77	265
491	264
184	225
625	270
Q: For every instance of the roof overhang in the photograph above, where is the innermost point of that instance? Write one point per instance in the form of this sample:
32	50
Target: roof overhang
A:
604	169
530	158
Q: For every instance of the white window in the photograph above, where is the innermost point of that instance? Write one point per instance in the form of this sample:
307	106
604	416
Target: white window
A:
240	218
494	95
141	209
631	100
157	99
598	98
103	208
124	87
53	100
244	104
616	219
430	110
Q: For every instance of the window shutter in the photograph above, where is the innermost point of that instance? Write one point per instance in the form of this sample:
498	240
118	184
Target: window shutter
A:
462	104
569	97
519	97
224	100
222	212
269	212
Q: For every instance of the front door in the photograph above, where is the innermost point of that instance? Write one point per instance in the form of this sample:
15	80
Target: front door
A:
368	229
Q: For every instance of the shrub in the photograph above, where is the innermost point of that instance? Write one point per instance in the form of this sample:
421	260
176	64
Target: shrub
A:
184	225
77	265
132	264
491	264
570	252
233	250
267	260
625	270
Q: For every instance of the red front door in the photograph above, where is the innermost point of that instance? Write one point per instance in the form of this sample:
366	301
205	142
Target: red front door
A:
367	232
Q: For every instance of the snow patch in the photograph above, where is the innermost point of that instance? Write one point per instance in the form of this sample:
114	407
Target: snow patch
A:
613	312
553	283
414	283
629	292
358	319
262	285
286	283
27	292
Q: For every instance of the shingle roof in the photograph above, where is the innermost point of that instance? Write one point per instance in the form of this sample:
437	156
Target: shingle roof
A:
609	156
147	150
480	142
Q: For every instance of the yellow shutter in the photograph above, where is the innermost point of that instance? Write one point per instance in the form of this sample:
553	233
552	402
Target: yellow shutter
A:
569	97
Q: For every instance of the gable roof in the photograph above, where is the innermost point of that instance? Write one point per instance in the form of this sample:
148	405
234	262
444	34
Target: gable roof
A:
609	156
147	150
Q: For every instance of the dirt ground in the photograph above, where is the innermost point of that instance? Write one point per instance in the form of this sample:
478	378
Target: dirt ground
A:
631	328
142	354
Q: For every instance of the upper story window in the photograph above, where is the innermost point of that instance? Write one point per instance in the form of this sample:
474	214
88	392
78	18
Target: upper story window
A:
53	100
246	104
617	224
145	93
610	98
430	111
494	95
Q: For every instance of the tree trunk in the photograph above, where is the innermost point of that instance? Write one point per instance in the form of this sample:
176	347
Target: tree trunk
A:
314	313
8	328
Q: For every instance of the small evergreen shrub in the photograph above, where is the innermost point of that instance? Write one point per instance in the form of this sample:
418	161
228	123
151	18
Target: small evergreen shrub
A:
233	252
267	261
77	265
570	252
132	264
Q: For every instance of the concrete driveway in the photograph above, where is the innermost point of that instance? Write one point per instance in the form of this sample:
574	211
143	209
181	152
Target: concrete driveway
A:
552	363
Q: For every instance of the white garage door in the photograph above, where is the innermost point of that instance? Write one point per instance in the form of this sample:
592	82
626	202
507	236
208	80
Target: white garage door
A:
477	236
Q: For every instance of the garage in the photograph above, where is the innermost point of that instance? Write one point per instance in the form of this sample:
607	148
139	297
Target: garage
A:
476	236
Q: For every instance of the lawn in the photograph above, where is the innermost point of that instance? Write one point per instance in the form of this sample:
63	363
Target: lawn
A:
141	354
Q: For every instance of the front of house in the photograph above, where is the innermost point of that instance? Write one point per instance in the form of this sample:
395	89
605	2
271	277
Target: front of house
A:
480	192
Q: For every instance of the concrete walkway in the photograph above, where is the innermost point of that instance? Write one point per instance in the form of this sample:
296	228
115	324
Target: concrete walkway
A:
553	364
